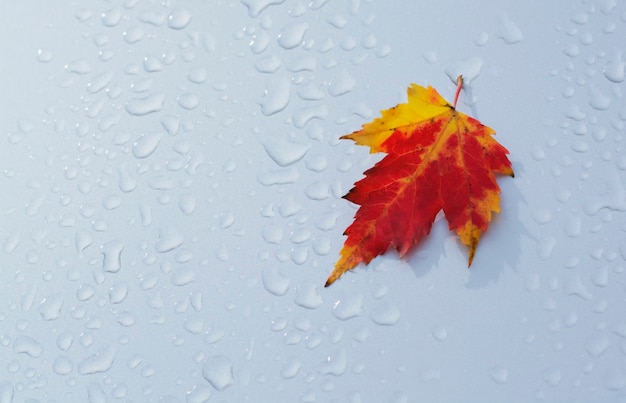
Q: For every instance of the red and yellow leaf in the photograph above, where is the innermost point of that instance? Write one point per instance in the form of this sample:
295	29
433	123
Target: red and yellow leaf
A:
437	159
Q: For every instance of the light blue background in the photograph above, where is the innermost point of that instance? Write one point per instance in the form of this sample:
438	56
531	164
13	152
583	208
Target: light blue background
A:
172	178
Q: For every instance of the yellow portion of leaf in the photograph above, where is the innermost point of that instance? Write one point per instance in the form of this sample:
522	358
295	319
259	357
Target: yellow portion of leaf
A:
424	103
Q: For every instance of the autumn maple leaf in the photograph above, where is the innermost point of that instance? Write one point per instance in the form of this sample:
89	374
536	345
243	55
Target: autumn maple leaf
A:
437	158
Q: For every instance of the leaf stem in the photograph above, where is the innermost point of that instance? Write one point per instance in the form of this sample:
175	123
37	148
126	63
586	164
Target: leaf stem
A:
459	85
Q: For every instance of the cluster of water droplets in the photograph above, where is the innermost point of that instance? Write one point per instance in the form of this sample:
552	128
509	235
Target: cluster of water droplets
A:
581	229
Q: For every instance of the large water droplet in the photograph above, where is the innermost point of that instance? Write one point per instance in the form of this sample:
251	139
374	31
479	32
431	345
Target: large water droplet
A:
342	83
218	371
597	99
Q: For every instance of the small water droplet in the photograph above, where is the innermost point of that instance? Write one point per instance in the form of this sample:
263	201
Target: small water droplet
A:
179	18
308	297
552	376
277	96
292	34
255	7
571	50
385	314
44	55
99	362
146	144
278	177
112	252
482	39
146	105
112	17
80	66
268	64
218	371
336	364
274	282
188	101
349	307
439	333
597	99
197	75
291	368
341	84
170	238
597	344
499	374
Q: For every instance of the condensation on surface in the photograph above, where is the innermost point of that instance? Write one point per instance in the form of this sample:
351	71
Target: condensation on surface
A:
173	182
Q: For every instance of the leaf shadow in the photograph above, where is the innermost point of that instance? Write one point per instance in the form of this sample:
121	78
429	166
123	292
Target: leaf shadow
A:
499	247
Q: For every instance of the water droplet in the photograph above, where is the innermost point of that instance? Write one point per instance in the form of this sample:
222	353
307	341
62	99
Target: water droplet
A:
303	115
509	31
85	292
285	153
499	374
260	42
118	293
349	307
439	333
482	39
27	345
80	66
146	144
218	371
308	297
99	362
11	243
199	394
62	365
317	191
268	64
197	75
597	99
146	105
552	376
255	7
99	82
170	238
188	101
385	314
274	282
50	307
571	50
112	17
44	55
291	368
277	96
342	83
179	18
292	34
112	261
278	177
574	286
335	364
614	68
597	344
